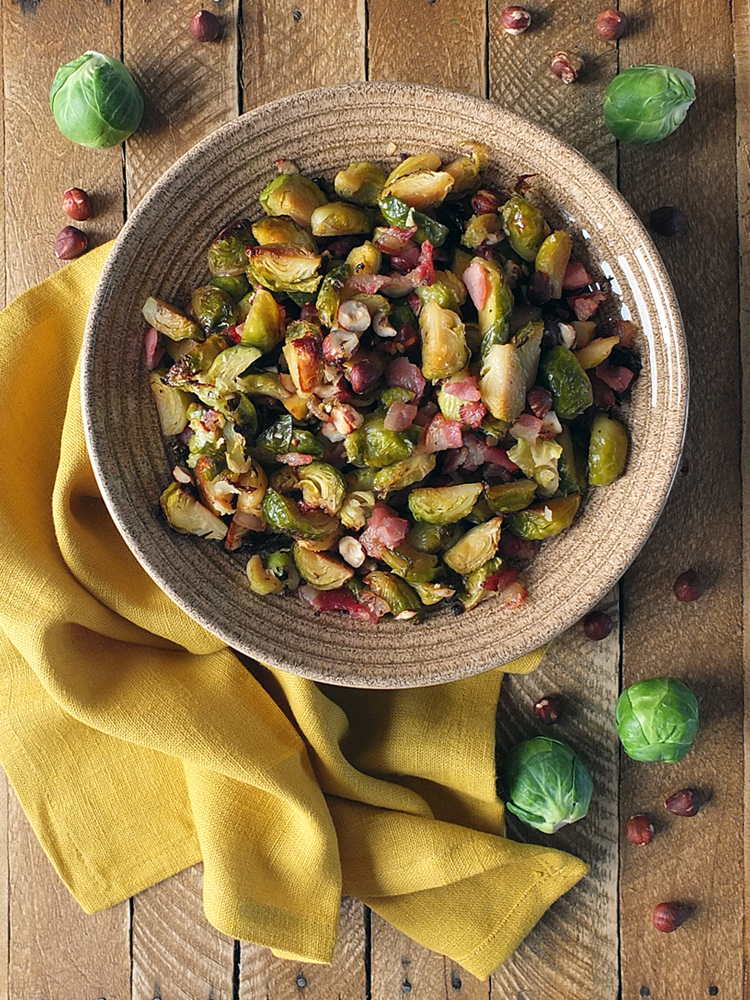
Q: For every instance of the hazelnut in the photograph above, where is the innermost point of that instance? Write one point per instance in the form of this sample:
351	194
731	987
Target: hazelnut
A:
484	202
639	830
547	710
597	625
667	220
688	586
77	204
611	24
668	917
515	20
363	376
540	401
70	243
205	26
567	65
685	802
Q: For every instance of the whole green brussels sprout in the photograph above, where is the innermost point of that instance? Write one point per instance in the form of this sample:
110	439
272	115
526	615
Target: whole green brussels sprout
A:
95	101
647	103
546	784
657	719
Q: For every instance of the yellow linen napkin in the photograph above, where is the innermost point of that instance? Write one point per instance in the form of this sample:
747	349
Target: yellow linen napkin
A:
139	744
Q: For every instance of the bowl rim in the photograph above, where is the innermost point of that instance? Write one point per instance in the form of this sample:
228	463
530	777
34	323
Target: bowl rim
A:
129	232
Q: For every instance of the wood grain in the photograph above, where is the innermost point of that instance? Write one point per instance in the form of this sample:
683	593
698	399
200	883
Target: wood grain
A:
441	43
190	88
695	861
262	975
293	45
40	163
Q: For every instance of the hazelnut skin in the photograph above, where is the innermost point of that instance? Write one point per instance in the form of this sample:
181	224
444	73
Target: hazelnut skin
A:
205	26
515	20
70	243
639	830
567	65
611	24
668	917
77	204
688	587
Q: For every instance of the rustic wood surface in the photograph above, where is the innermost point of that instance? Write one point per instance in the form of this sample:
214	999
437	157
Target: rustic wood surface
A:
596	941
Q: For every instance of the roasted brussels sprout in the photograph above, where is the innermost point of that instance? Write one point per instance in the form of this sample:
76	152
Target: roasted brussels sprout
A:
560	372
338	218
496	310
329	295
172	405
657	719
552	259
538	460
377	447
294	195
304	357
282	229
447	290
465	169
398	213
361	182
365	259
356	508
524	224
169	320
544	520
322	486
186	515
411	564
235	285
262	328
546	785
444	504
432	593
444	350
216	492
320	569
480	228
396	593
262	581
608	450
570	465
401	474
227	366
505	498
502	382
474	590
227	255
284	515
475	548
213	308
283	437
281	564
427	537
283	268
420	189
528	344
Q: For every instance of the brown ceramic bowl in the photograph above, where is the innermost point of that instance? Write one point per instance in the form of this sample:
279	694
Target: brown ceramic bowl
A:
162	251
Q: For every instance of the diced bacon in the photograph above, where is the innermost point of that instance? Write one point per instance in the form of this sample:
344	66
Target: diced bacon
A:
625	329
480	452
407	260
393	285
510	592
400	416
234	334
502	578
342	246
402	372
341	599
452	460
385	530
585	305
308	311
576	276
472	414
604	398
393	240
154	353
527	427
184	438
424	272
415	303
443	434
425	414
520	550
467	389
475	279
616	377
293	458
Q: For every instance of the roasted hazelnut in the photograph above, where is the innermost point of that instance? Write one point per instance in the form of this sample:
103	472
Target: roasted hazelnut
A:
667	220
685	802
688	586
363	376
547	710
205	26
70	243
668	917
77	204
567	65
515	20
540	401
611	24
484	202
597	625
639	830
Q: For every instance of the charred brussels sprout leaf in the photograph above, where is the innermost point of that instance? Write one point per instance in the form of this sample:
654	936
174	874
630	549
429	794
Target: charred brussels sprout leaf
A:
95	101
186	515
212	308
647	103
282	229
337	218
506	498
398	213
361	182
569	384
544	520
322	486
169	320
444	350
294	195
657	719
475	548
320	569
608	450
546	785
444	504
282	268
524	224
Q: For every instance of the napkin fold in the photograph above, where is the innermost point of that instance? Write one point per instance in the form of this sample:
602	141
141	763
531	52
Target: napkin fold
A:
139	744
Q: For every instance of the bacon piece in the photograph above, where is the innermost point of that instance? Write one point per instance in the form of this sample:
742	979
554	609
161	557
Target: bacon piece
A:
385	530
576	276
403	373
425	414
407	260
475	279
472	413
294	458
520	550
467	389
400	416
234	334
443	434
341	599
527	427
480	452
540	288
394	240
510	592
342	246
424	272
604	398
586	304
616	377
154	353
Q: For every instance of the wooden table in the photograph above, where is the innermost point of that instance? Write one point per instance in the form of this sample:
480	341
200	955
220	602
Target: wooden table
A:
597	942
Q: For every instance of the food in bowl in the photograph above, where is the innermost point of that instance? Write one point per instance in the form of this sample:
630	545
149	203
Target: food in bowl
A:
391	396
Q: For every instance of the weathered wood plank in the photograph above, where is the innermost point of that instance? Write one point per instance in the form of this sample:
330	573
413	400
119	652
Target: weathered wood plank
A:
694	861
424	41
294	45
264	975
190	88
40	163
4	874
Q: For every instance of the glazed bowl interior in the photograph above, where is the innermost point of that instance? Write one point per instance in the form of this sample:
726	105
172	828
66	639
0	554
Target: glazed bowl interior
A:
162	251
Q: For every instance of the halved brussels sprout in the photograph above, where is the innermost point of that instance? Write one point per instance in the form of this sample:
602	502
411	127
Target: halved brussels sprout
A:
294	195
409	164
169	320
234	451
186	515
475	548
365	259
398	213
252	485
217	493
444	350
528	343
421	189
571	465
172	405
597	351
497	308
538	460
553	258
235	285
474	591
447	290
560	372
329	295
480	512
262	327
304	357
411	564
282	229
479	228
356	508
227	255
227	366
444	504
262	581
322	486
281	564
377	447
213	308
284	515
338	218
427	537
502	382
524	224
404	473
361	182
465	169
504	498
283	268
544	520
397	594
608	450
320	569
432	593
